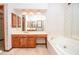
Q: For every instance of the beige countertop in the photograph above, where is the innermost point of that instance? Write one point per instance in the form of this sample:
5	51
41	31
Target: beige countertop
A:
19	31
30	32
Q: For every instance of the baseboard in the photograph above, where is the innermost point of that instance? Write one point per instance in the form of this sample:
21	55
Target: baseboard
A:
8	50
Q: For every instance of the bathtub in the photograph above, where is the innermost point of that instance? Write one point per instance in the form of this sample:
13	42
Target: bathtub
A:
63	46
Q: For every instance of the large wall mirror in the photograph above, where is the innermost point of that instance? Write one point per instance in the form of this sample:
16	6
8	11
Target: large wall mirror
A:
31	19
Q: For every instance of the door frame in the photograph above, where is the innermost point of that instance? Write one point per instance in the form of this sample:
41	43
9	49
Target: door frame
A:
3	27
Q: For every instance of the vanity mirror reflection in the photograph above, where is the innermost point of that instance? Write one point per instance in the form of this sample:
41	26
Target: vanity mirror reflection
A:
29	19
16	20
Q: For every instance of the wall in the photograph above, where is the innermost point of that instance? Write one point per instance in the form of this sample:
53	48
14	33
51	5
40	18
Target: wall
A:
75	21
7	24
55	20
6	27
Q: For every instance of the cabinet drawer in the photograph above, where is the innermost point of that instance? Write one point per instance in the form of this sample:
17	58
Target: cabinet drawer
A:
41	36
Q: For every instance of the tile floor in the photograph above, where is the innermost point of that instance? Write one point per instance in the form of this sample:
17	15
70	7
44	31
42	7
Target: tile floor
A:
39	50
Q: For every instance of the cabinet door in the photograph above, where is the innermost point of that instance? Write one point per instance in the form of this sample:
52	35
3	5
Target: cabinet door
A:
15	42
23	42
31	42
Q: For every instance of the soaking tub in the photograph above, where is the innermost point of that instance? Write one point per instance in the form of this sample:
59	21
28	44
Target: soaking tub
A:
63	46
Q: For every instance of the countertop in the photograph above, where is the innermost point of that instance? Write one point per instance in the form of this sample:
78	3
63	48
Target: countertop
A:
19	31
30	32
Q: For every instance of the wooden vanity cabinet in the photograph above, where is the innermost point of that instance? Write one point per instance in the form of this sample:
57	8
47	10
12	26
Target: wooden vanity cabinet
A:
27	41
23	41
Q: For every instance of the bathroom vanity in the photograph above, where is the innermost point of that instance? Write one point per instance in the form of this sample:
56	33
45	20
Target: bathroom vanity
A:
28	40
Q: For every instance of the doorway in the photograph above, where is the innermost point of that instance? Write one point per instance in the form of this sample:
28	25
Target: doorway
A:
1	28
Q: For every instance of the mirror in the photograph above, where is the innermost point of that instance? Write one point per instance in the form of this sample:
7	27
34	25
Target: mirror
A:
31	19
16	20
